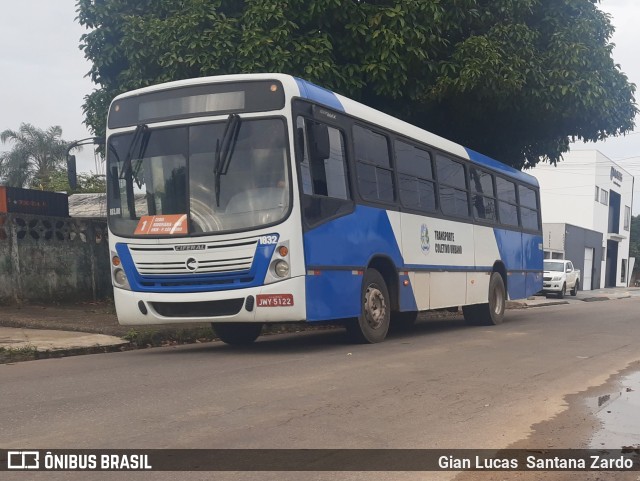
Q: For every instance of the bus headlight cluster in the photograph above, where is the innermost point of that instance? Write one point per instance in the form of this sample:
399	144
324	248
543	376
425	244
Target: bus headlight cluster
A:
279	266
117	272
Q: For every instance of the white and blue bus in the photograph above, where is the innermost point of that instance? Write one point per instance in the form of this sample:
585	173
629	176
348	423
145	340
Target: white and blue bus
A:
248	199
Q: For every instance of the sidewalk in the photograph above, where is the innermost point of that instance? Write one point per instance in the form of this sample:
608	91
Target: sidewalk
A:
61	330
36	331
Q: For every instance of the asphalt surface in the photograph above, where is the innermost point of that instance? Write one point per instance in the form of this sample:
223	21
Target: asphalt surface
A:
443	385
74	329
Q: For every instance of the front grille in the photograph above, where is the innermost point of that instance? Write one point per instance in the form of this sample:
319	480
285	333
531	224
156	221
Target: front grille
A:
227	307
216	258
546	278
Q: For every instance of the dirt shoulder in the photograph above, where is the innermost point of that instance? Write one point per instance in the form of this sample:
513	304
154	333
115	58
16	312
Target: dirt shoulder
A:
94	317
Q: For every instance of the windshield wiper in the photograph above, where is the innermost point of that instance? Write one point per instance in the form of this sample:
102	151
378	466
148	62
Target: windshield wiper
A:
139	142
224	151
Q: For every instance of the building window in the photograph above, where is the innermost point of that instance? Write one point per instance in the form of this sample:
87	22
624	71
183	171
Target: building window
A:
604	197
627	217
597	193
623	271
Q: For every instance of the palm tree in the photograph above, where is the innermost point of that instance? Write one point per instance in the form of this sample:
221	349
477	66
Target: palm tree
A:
34	156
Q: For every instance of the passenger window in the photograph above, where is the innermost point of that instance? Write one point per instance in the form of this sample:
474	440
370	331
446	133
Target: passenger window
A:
483	198
323	171
528	208
507	207
527	197
375	179
415	177
454	198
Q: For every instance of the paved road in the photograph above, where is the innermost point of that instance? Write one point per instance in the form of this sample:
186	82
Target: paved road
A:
445	385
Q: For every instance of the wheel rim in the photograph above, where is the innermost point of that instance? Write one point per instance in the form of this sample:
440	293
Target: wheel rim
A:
375	307
498	301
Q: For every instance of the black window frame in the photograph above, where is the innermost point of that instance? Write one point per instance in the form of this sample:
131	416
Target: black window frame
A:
473	192
391	169
345	122
442	185
339	121
433	181
514	203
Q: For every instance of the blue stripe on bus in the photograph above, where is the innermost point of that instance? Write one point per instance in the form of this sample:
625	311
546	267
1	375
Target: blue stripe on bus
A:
520	252
333	295
500	167
318	94
351	240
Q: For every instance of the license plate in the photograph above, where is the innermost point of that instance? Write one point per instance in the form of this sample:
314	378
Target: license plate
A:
275	300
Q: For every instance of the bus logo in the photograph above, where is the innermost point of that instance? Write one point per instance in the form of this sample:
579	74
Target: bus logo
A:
192	264
425	244
191	247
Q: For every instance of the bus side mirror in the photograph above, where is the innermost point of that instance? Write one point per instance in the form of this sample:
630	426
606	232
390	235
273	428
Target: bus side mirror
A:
72	175
319	142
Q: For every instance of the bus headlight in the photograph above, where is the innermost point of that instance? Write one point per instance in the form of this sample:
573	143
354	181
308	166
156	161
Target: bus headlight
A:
120	278
118	275
281	268
279	264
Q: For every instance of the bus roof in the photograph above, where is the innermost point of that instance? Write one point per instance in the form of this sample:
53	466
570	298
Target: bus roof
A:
330	99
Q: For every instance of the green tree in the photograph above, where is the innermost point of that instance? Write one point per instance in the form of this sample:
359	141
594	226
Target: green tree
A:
514	79
87	183
34	156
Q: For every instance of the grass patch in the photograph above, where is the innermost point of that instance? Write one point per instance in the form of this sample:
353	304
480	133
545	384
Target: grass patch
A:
24	353
168	337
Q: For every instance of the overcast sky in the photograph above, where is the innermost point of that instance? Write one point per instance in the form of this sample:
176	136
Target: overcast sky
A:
43	82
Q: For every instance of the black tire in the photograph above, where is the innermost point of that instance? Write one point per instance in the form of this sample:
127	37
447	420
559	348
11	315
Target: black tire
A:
237	333
576	286
372	324
563	292
402	321
491	313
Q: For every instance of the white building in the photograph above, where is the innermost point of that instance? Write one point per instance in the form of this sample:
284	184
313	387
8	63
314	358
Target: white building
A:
588	190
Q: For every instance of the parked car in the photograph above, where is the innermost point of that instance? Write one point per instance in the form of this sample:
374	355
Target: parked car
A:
560	275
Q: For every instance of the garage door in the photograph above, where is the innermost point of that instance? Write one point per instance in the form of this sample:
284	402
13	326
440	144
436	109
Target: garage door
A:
588	267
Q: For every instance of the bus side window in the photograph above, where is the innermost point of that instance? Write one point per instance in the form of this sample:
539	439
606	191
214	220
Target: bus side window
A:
415	177
454	198
323	170
507	208
528	208
482	194
373	165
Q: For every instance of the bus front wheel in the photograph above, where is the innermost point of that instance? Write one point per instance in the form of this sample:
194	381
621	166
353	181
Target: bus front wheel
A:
237	334
491	313
372	324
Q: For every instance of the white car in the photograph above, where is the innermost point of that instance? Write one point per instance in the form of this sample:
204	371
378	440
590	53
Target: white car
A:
560	276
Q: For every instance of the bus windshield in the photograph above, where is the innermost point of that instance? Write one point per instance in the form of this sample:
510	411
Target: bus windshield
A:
172	172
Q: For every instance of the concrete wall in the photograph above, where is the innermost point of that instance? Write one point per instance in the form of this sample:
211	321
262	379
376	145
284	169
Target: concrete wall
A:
53	259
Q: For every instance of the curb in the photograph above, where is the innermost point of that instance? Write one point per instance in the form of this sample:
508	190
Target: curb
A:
11	356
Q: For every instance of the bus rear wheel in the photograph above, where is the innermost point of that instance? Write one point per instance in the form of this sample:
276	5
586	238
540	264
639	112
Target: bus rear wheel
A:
491	313
237	334
372	324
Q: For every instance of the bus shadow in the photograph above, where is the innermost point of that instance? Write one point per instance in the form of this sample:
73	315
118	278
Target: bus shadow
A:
323	339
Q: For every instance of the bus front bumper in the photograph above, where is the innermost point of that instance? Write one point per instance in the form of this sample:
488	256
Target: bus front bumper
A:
278	302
